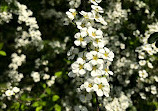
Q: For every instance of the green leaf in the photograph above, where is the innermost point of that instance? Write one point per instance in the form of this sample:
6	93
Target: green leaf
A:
1	46
16	106
4	8
57	107
35	104
43	103
48	90
2	53
23	97
58	74
22	107
43	95
39	108
55	97
153	38
44	85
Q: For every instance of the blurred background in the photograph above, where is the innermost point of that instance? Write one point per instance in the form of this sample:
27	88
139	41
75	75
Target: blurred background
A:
35	36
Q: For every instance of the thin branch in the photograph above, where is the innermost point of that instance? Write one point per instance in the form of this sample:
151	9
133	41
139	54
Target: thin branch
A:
97	102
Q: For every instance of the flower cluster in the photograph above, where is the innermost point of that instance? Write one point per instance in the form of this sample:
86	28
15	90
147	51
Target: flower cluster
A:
17	61
117	104
121	29
10	92
5	17
33	35
92	64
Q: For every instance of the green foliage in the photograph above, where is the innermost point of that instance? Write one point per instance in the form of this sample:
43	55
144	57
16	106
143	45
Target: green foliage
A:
1	46
2	52
48	90
58	74
55	97
144	106
57	107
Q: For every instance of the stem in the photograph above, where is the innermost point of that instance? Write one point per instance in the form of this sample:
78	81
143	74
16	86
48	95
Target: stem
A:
97	102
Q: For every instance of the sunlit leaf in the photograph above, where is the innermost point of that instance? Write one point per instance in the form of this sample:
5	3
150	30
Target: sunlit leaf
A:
3	53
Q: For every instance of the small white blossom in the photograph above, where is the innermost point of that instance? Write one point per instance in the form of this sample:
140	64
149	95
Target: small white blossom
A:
9	92
16	89
71	13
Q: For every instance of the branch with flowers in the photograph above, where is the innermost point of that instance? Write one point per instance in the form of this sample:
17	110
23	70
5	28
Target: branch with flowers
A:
92	57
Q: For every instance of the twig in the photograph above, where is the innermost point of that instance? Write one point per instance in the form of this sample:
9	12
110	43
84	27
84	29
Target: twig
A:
97	102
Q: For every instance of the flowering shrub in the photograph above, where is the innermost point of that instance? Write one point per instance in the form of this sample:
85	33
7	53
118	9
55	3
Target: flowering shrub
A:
78	55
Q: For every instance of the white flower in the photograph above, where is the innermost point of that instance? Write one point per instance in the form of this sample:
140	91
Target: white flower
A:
88	86
50	82
95	68
71	74
71	13
142	95
101	20
46	76
97	8
87	15
107	54
95	33
95	2
122	46
98	43
156	78
72	52
78	67
94	56
82	98
97	16
82	55
153	89
106	70
35	76
88	97
101	86
83	24
142	62
150	65
143	74
80	108
9	92
82	40
16	89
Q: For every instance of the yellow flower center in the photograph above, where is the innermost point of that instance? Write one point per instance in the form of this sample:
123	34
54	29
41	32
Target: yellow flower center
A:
93	34
96	16
106	70
86	16
90	85
96	49
97	9
97	40
74	13
80	66
94	67
106	54
81	39
100	86
95	57
83	25
84	58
